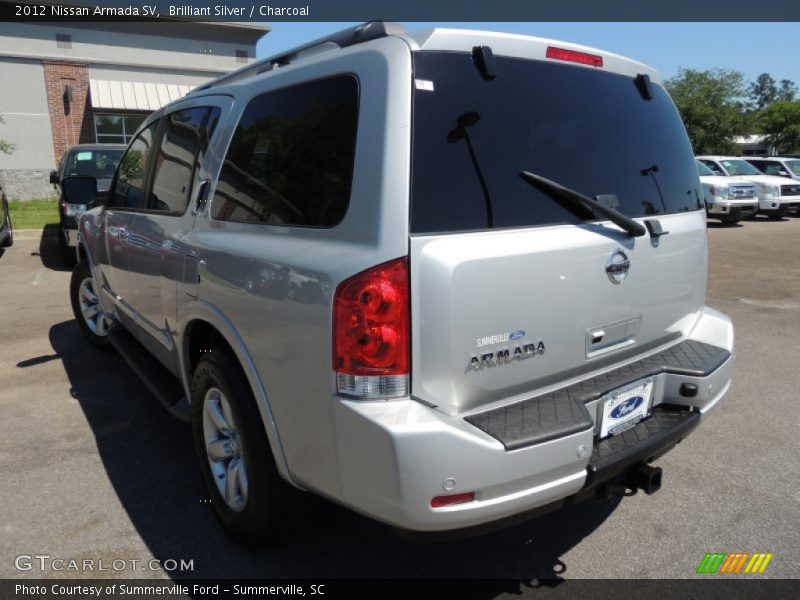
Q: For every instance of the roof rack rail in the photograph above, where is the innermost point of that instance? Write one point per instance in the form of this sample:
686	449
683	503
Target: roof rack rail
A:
351	36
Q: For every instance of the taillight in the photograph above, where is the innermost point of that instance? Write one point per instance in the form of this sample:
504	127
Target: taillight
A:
583	58
371	339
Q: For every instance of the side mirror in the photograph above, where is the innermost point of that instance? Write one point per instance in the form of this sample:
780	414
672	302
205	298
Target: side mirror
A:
80	189
783	173
54	177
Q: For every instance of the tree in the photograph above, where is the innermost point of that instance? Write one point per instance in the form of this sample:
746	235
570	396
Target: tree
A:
780	121
711	105
763	91
787	91
5	147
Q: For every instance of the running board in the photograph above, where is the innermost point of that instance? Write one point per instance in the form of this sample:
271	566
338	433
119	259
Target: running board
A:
155	376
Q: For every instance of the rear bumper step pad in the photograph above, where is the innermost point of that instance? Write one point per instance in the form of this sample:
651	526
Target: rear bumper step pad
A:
562	412
648	440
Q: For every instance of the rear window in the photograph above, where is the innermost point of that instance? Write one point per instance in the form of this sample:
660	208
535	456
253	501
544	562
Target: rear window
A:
586	129
99	164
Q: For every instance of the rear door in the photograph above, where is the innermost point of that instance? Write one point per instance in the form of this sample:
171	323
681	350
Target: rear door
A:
511	291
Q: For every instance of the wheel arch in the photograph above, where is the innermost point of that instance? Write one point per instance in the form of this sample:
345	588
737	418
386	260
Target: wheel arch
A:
203	326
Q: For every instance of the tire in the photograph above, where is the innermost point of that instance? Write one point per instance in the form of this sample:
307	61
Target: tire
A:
776	217
731	220
83	295
69	255
264	508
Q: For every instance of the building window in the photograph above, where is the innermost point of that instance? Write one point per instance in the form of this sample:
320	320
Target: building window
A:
116	128
241	56
64	40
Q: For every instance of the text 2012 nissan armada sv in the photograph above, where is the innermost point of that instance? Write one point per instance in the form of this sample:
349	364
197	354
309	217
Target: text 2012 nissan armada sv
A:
441	277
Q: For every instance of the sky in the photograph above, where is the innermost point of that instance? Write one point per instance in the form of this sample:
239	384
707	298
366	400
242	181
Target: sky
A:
751	48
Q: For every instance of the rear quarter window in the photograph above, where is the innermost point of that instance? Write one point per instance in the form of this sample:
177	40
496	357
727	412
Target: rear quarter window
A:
290	161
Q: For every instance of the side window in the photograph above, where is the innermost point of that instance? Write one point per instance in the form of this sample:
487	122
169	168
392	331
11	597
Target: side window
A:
772	169
185	137
132	169
290	161
713	166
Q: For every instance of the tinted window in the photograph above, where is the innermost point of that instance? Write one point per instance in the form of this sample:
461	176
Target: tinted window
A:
586	129
291	158
132	169
185	137
99	164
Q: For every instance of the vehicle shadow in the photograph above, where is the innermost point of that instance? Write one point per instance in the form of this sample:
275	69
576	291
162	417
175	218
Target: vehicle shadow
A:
49	252
149	459
721	225
765	218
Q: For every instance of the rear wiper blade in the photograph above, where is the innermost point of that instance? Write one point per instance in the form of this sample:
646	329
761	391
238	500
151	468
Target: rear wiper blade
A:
578	201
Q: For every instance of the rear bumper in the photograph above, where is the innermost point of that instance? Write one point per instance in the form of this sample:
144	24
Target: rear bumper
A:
394	457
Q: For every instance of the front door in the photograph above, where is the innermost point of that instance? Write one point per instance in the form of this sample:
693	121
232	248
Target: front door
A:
158	251
124	201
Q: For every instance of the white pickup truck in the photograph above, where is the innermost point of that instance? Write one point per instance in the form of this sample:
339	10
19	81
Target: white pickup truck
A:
772	200
729	199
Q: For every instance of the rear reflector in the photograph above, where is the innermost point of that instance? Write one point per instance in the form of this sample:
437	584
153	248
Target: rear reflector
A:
583	58
440	501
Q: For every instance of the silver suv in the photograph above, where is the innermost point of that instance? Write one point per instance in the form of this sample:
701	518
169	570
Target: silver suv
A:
442	278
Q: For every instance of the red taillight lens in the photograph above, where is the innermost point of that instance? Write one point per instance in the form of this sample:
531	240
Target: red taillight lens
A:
583	58
440	501
371	332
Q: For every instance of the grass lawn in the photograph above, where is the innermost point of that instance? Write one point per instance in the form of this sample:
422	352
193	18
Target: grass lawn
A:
33	214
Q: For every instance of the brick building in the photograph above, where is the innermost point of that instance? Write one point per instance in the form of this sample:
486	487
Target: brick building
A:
67	83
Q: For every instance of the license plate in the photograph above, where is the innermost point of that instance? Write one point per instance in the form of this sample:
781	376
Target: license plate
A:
625	407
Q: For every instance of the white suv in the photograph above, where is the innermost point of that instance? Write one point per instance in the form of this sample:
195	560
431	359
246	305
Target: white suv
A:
369	269
771	199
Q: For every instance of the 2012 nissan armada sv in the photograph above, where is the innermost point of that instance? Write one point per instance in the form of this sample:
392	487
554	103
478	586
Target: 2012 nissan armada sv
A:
442	278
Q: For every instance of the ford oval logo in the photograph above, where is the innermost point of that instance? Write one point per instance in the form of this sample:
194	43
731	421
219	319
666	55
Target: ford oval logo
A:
626	407
517	335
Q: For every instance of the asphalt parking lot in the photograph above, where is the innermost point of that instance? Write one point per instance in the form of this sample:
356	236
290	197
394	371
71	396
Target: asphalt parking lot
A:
93	467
